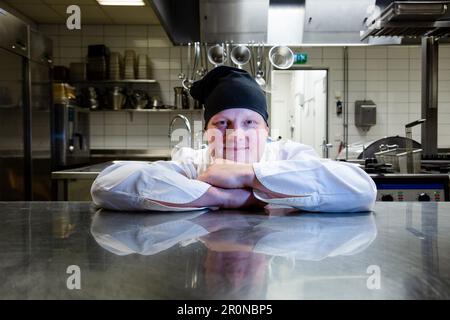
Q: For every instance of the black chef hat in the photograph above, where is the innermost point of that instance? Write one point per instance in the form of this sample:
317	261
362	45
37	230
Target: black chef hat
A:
228	88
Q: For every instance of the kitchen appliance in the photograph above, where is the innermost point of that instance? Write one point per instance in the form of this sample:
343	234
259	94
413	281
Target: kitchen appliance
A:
368	149
412	187
70	135
428	21
25	99
41	62
402	160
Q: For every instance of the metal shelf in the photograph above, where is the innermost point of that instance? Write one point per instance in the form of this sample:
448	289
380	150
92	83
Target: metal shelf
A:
115	81
148	110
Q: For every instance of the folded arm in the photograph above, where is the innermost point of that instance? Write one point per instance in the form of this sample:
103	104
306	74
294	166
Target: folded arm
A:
162	186
303	181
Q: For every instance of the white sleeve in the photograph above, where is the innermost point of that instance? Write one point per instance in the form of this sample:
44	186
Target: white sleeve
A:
314	183
134	185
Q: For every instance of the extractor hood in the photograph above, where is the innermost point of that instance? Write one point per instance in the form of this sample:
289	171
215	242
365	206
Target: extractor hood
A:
287	22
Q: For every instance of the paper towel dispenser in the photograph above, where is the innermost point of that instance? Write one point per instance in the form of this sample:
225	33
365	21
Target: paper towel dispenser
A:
365	114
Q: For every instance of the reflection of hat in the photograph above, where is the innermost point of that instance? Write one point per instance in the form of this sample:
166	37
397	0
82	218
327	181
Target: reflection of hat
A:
228	88
317	236
125	233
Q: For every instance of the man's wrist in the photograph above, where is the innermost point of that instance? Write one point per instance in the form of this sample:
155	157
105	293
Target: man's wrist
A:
249	176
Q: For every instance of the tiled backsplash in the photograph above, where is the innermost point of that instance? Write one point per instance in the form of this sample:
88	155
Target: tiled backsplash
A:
390	76
135	130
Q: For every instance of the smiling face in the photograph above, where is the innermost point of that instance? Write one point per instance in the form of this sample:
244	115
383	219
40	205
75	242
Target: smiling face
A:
237	134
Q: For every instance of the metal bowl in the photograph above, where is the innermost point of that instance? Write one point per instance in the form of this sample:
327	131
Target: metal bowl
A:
240	55
281	57
217	55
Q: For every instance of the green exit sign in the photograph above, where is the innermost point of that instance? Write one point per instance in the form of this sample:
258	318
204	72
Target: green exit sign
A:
301	58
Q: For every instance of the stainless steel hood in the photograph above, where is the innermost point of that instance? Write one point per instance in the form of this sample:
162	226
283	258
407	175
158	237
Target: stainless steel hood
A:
288	22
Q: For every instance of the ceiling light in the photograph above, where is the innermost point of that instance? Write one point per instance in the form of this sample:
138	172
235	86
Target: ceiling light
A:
121	2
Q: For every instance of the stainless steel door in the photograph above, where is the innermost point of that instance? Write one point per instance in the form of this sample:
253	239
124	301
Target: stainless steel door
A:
40	131
12	162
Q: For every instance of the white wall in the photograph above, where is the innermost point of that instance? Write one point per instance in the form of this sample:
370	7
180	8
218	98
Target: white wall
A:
390	76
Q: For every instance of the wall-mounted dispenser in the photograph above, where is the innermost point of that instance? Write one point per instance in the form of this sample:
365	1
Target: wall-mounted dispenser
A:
365	114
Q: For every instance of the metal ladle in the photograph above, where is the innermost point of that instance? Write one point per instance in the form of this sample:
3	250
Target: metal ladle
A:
259	78
187	83
181	75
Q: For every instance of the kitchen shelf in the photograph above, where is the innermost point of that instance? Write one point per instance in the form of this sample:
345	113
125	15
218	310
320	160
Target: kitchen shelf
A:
148	110
137	81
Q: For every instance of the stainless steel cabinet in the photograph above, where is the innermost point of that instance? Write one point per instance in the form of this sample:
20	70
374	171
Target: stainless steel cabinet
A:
13	34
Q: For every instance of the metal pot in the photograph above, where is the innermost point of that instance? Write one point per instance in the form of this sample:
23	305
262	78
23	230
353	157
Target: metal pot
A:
116	99
181	98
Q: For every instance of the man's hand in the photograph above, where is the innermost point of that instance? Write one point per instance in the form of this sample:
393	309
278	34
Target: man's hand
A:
229	175
224	198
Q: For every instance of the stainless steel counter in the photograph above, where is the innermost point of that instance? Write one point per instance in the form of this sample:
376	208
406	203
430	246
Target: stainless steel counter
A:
400	251
87	172
131	154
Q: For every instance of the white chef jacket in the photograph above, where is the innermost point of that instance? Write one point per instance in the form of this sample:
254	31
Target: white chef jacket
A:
286	167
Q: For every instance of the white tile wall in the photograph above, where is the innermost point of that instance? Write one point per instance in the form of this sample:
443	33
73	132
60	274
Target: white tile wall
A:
391	77
134	130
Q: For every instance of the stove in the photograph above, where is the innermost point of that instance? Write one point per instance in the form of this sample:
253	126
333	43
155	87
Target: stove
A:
436	163
412	187
432	184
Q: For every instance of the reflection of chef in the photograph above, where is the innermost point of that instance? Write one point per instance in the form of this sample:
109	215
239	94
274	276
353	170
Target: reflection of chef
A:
238	262
123	234
305	237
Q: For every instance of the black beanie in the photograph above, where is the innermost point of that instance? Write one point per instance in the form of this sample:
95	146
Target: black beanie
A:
228	88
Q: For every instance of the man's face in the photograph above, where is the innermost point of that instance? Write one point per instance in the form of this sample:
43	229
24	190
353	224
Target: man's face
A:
238	135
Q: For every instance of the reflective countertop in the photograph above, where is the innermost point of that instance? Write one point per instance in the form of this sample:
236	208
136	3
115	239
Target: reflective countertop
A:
71	250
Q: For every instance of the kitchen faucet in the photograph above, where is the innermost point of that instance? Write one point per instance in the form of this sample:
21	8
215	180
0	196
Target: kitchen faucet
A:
186	123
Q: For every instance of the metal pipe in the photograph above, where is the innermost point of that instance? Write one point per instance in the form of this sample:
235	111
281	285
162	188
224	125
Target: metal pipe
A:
430	50
346	101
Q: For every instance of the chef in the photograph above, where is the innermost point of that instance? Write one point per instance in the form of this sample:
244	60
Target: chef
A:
241	167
